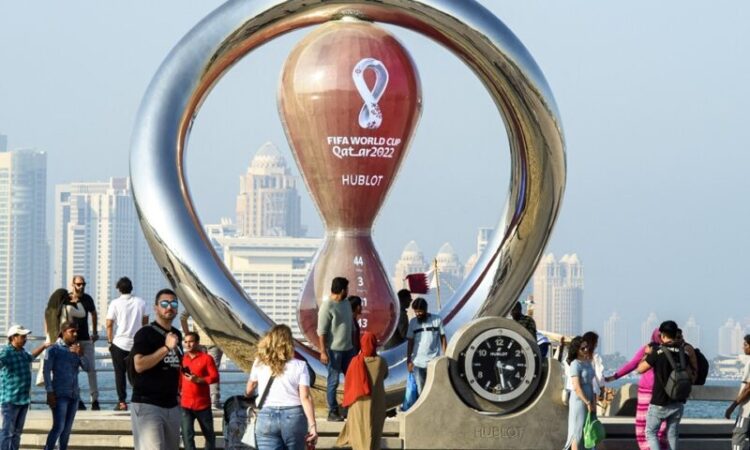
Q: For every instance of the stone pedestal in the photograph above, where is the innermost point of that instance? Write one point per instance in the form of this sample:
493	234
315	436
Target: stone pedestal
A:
441	420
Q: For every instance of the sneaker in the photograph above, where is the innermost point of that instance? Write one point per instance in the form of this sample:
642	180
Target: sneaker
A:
122	406
81	405
334	417
95	405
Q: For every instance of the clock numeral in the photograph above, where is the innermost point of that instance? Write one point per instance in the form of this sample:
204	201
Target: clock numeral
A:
482	352
480	375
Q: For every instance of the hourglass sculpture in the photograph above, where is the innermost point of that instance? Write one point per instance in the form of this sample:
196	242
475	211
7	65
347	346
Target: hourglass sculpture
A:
349	99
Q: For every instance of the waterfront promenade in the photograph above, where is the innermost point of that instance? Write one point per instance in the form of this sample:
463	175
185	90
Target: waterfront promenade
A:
107	430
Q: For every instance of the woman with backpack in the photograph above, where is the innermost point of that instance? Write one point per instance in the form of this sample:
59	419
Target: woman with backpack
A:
286	419
582	398
645	390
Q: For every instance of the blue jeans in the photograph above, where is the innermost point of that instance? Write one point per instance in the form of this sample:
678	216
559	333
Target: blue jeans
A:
14	416
420	375
281	428
671	413
62	422
338	362
205	421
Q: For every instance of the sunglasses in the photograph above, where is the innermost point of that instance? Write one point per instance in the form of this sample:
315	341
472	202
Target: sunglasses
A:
166	304
80	284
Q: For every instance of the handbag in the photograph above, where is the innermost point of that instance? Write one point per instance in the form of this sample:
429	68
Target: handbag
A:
593	432
411	394
248	438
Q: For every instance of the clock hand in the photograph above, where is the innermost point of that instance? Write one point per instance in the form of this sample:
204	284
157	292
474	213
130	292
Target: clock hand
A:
499	369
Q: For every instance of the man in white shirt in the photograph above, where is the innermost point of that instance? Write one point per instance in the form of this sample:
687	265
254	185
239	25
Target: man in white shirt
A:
740	435
128	312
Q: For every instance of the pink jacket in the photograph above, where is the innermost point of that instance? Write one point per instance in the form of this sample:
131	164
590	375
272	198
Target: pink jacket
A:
647	378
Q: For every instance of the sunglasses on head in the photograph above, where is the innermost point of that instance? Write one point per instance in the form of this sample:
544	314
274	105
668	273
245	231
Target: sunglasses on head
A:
167	303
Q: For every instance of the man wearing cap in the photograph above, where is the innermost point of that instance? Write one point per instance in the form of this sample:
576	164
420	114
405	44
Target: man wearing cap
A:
62	362
15	385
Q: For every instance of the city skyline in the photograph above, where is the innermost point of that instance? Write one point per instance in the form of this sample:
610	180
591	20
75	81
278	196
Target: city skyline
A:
656	147
99	217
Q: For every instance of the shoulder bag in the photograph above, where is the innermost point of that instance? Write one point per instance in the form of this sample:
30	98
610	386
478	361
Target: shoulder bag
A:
248	438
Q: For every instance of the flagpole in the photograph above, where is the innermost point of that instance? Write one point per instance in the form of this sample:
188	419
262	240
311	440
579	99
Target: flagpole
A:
437	284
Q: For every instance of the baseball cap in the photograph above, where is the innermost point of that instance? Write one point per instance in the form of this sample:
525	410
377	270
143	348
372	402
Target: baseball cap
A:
17	329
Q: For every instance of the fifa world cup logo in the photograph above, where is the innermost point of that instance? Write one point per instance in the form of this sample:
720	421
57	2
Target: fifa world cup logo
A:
349	99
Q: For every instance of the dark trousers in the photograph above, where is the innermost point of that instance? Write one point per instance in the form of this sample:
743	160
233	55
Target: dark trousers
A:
338	362
205	421
118	363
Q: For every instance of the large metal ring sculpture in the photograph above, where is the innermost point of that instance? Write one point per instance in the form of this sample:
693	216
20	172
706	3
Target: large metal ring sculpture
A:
170	222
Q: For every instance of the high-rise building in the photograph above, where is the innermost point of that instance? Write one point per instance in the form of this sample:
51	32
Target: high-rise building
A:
691	331
647	327
272	271
97	235
730	338
24	252
558	294
226	228
483	239
268	203
411	261
3	142
449	274
614	339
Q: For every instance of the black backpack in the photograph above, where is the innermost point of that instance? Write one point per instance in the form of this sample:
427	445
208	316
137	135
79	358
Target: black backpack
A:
679	383
702	372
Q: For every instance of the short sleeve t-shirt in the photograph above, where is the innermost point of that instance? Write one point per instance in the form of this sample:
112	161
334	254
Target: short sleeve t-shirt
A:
662	369
745	407
285	389
79	313
335	322
127	312
584	371
158	385
427	342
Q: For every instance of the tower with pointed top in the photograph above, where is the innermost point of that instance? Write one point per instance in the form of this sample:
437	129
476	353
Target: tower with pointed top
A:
268	203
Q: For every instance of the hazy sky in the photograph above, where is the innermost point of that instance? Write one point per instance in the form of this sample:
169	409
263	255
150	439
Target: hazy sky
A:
653	99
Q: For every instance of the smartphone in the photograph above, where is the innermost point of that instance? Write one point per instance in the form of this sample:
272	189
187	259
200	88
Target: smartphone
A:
186	370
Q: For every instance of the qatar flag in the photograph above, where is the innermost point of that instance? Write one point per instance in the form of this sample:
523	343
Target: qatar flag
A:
418	283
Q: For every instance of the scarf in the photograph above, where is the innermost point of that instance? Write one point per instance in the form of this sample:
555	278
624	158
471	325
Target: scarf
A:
357	381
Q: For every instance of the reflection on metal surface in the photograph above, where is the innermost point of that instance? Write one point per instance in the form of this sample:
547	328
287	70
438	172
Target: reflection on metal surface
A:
475	35
348	163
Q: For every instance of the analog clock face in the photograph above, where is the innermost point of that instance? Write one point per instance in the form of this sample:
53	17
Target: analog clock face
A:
499	365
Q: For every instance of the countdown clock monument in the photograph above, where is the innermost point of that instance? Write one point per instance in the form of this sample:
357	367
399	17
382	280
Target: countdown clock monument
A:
349	99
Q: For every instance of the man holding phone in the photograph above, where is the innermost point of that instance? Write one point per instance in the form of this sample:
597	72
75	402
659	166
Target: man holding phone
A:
156	357
198	373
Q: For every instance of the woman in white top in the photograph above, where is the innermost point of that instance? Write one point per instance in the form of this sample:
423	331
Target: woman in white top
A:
287	417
